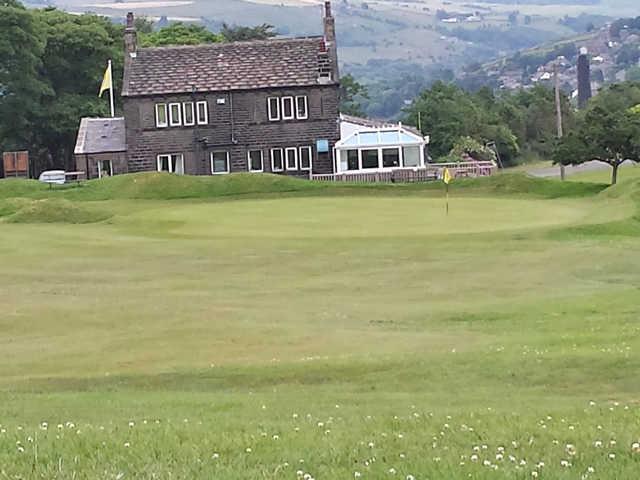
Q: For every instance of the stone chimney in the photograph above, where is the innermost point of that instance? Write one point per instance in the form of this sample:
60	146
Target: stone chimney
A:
330	39
130	38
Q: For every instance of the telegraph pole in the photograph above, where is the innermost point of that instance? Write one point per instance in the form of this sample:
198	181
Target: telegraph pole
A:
558	111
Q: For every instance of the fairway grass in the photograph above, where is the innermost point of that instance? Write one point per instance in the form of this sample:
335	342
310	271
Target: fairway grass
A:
242	331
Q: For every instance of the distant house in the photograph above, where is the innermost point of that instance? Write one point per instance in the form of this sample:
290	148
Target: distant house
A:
257	106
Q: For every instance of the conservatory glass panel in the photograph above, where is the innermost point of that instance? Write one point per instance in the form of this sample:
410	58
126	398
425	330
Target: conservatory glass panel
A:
411	156
370	159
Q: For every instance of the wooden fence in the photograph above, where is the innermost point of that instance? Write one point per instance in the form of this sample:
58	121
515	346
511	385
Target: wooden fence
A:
428	173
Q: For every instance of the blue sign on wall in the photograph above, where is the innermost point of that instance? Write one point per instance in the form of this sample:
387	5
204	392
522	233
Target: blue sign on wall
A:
322	146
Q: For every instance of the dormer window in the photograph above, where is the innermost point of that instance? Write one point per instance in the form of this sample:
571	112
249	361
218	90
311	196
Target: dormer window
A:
175	117
161	115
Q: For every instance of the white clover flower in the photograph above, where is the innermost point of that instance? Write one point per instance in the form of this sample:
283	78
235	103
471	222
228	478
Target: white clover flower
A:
410	477
540	464
486	463
20	448
371	444
523	462
635	447
392	471
132	424
474	458
320	424
127	444
299	473
591	470
564	463
499	456
402	455
512	458
248	450
215	456
534	474
307	476
276	437
597	444
570	449
612	456
357	474
612	443
476	448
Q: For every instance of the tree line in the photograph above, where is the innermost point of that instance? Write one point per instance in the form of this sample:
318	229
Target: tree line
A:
520	125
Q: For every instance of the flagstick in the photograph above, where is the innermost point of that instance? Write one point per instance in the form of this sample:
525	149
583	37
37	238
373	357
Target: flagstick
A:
113	114
447	195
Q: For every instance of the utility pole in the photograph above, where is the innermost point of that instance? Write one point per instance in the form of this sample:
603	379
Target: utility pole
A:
558	111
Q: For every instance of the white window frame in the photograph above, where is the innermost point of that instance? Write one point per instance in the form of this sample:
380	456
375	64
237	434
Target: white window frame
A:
100	162
162	106
159	162
172	121
295	158
199	119
273	116
310	150
306	107
185	106
261	160
227	162
282	159
293	108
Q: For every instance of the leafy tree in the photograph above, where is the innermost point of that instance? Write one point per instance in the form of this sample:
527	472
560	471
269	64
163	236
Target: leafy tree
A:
73	62
467	146
447	113
609	131
144	25
21	47
180	34
633	74
351	95
239	33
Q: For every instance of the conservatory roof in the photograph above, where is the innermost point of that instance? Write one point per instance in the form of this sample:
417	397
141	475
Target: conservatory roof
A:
392	136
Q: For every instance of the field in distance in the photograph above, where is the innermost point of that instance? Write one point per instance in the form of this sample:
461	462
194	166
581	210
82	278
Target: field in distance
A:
252	326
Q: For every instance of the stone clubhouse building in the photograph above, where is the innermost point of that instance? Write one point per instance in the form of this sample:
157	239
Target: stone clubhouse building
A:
256	106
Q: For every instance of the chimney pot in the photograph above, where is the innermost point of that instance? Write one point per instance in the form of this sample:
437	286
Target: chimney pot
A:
130	21
327	9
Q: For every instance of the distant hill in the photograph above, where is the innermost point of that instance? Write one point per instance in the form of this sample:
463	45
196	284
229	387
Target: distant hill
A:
614	53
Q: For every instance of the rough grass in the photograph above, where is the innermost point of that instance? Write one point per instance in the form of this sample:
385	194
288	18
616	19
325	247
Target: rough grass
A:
329	331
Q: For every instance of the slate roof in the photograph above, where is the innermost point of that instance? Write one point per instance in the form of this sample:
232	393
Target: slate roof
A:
101	135
224	66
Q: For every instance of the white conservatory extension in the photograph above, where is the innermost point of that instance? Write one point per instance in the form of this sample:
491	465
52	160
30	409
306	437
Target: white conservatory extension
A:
367	146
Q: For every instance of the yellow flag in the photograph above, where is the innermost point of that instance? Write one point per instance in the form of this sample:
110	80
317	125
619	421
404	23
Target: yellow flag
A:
446	176
107	81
